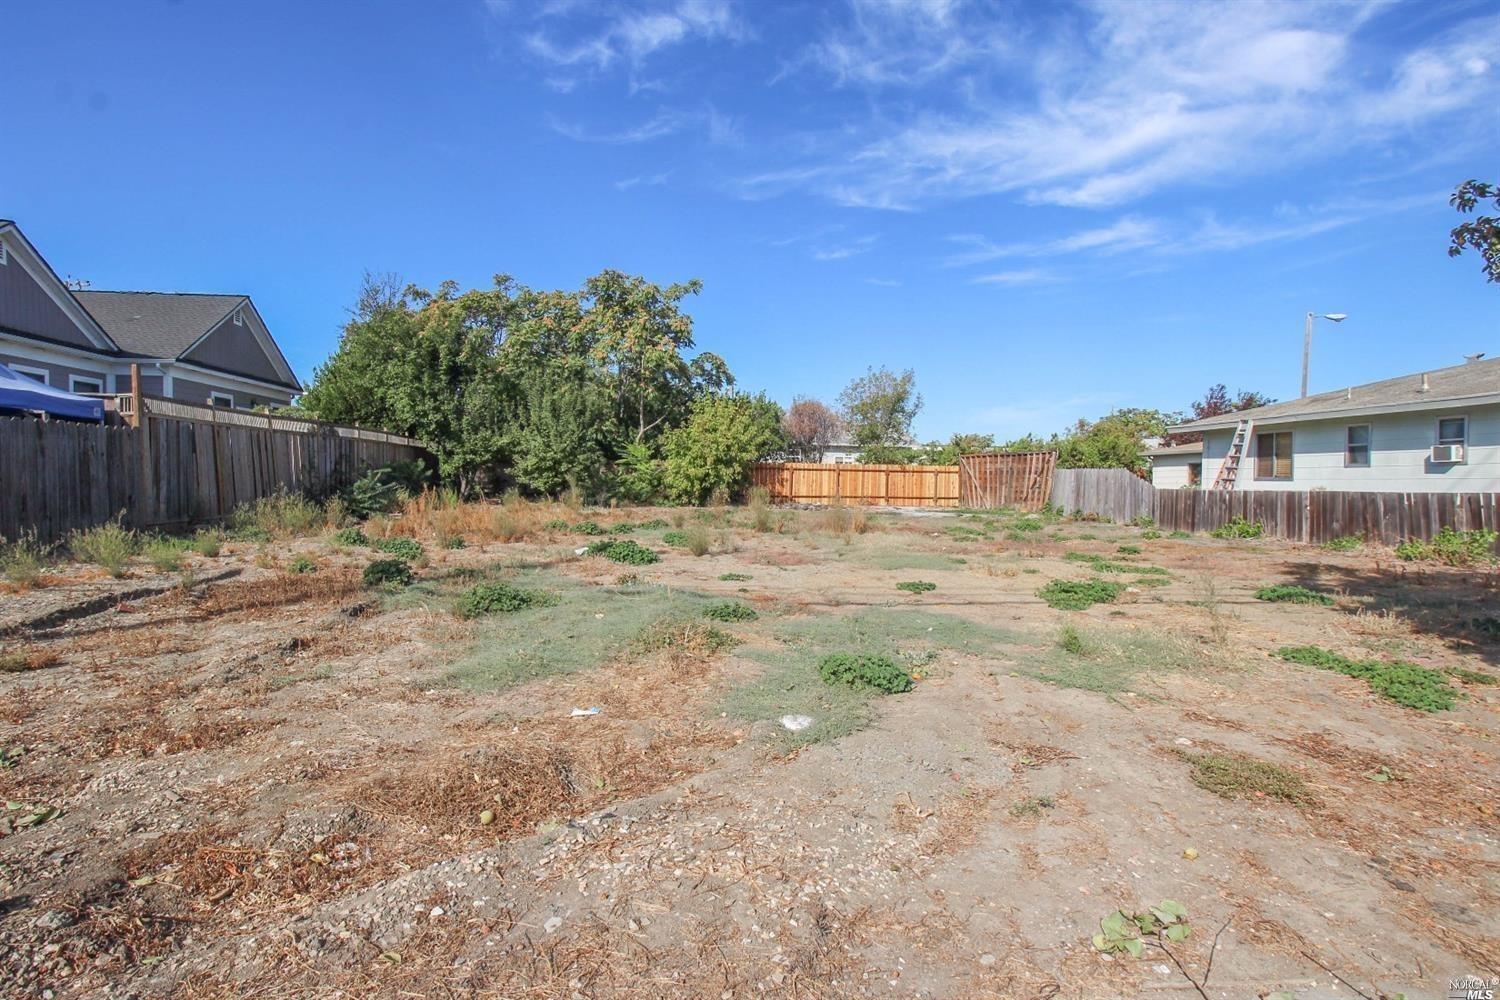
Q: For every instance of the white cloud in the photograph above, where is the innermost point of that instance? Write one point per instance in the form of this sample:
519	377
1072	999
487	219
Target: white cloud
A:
844	251
717	127
1128	233
597	37
1127	100
883	282
1029	276
646	180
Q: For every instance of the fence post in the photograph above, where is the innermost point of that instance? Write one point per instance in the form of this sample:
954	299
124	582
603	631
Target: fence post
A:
142	425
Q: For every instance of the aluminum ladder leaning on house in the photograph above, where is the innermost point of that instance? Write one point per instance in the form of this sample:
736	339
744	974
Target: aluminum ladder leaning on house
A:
1229	469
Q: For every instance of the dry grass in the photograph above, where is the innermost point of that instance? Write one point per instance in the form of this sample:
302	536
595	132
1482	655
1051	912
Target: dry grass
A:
26	659
279	590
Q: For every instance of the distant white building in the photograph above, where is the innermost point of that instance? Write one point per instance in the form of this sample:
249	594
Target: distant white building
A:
1429	432
842	452
1176	466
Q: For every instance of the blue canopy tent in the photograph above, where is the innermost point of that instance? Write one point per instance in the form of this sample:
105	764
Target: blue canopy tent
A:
17	392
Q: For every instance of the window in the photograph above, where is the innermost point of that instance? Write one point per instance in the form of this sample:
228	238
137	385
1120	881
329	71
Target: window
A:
1357	446
85	384
1453	430
35	374
221	399
1195	473
1273	455
239	317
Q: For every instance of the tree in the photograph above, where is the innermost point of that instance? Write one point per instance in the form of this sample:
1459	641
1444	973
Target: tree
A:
713	451
809	426
948	453
558	440
1482	234
1215	403
878	408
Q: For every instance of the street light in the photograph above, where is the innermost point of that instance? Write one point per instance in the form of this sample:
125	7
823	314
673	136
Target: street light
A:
1307	341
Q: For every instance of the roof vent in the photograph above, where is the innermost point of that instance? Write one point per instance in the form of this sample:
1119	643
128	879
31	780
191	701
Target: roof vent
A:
1349	392
1425	385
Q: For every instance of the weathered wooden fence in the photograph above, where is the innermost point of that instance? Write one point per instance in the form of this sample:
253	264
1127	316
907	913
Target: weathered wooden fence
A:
1315	516
197	464
1022	480
880	485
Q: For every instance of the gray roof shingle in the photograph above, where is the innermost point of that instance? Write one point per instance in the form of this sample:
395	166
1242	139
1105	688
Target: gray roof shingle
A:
1473	378
156	324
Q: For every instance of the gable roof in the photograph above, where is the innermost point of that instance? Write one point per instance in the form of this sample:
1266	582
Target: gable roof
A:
157	324
36	265
1471	382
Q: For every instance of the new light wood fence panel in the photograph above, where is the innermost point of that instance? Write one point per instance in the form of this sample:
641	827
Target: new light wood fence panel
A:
58	476
1022	480
863	485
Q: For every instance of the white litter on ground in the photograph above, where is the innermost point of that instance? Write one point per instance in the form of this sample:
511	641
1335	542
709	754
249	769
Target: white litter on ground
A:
796	723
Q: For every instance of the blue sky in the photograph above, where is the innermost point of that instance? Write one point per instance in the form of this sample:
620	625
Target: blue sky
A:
1046	210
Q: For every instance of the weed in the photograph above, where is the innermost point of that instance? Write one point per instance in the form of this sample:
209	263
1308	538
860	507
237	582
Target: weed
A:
864	669
1123	933
1232	776
556	524
1031	806
280	515
735	577
1287	594
109	545
916	586
697	540
1345	543
1175	534
498	598
1152	533
21	561
682	635
1102	565
730	611
454	542
760	509
302	564
1143	521
23	661
207	542
1076	595
164	554
1107	661
1070	640
624	550
1210	601
1403	682
388	572
350	537
588	528
1455	548
402	548
1238	527
655	524
1129	550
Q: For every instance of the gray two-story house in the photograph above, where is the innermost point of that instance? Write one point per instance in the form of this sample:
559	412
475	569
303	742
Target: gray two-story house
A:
193	348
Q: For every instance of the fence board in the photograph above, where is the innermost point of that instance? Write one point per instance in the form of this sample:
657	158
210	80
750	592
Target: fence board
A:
860	485
1314	516
1022	480
58	476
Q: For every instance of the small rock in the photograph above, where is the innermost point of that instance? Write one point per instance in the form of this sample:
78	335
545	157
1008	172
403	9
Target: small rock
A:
552	924
986	960
1191	854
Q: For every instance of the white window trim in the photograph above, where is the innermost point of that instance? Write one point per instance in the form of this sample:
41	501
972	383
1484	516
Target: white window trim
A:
218	399
1291	448
41	373
1369	446
98	380
1437	437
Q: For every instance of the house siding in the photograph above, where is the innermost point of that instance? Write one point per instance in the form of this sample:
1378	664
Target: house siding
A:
1170	472
25	307
194	391
57	374
1400	452
234	349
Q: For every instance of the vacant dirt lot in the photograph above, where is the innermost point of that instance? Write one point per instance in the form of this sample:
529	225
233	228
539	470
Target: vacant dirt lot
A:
268	779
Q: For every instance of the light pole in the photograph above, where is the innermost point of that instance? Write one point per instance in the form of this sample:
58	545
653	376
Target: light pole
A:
1307	342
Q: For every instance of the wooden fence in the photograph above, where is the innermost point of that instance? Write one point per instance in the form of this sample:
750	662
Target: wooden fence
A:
882	485
167	471
1314	516
1022	480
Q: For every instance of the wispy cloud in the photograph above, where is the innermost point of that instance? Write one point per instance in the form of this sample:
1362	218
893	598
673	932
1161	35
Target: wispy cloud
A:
1125	100
595	37
717	127
1129	233
843	251
647	180
1029	276
883	282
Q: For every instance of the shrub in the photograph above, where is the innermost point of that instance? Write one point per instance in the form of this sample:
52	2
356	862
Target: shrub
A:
1076	595
697	540
164	554
1238	527
864	670
207	542
1405	683
379	491
402	548
1143	521
302	564
350	537
556	524
676	539
679	634
388	572
916	586
497	598
624	550
109	545
654	524
1151	533
760	509
1129	550
1344	543
21	561
623	528
1456	548
637	473
734	577
1288	594
730	611
712	452
588	528
280	515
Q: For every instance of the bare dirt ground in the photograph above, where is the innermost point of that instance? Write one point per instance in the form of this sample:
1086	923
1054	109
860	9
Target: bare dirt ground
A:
285	784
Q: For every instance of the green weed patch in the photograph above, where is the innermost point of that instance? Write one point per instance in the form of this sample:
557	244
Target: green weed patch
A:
1282	593
1076	595
1232	776
626	550
1405	683
864	670
501	598
916	586
730	611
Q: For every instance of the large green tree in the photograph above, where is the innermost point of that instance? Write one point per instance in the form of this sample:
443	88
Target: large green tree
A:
712	452
878	409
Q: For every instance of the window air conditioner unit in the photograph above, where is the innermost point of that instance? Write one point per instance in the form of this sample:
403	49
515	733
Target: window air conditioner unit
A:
1447	454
